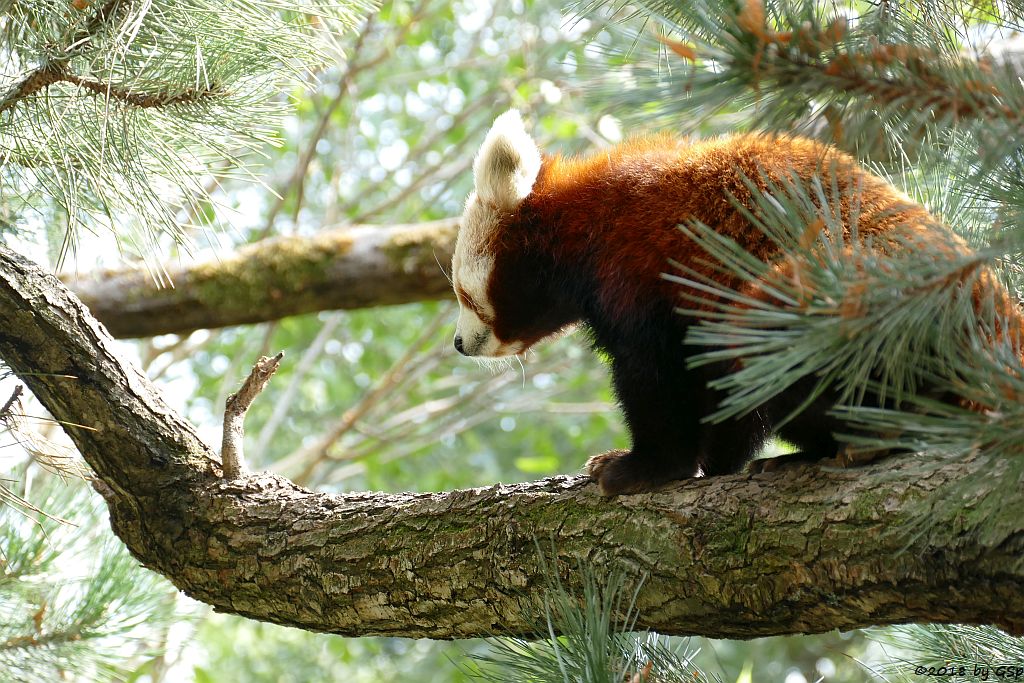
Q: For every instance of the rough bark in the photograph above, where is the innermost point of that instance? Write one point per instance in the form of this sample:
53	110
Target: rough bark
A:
346	268
802	549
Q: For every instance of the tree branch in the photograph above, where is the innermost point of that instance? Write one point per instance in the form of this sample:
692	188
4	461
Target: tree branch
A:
279	277
57	71
803	549
237	406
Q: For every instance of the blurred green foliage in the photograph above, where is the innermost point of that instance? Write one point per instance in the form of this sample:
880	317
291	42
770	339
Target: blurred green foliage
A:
378	399
74	605
238	649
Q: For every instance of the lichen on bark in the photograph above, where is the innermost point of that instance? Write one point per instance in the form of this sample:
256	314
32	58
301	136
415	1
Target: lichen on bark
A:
344	268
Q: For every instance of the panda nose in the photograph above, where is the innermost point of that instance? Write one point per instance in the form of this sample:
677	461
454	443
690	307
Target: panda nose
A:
458	344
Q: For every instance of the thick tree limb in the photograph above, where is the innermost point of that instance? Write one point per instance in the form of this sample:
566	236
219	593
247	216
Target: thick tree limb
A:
803	549
337	269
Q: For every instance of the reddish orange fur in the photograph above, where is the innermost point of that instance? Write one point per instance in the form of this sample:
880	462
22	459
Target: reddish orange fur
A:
627	195
591	242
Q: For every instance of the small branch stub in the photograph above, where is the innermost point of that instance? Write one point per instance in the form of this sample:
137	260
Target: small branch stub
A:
231	454
6	411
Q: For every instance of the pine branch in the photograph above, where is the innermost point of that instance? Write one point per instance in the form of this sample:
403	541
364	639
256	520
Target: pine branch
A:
599	643
73	600
57	69
911	319
30	85
984	653
793	67
125	109
903	80
43	78
41	640
6	409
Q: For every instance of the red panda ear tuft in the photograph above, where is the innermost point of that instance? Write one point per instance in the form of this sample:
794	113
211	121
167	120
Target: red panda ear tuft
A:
507	164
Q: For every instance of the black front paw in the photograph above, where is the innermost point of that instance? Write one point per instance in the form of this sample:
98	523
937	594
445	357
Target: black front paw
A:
621	472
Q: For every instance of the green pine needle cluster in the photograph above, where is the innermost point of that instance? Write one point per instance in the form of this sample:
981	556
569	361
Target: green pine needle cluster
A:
901	325
74	605
116	109
965	653
809	67
936	82
597	645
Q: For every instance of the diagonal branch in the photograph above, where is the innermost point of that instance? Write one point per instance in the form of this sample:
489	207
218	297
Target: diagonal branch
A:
803	549
44	77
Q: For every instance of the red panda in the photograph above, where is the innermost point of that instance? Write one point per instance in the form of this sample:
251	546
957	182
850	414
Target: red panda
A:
546	242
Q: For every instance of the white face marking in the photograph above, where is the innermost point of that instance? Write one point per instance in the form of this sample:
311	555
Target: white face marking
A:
471	271
504	172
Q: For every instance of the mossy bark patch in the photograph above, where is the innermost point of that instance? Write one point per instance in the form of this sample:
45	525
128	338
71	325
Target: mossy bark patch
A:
344	268
260	276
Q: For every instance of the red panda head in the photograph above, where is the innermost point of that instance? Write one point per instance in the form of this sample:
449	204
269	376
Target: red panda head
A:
504	172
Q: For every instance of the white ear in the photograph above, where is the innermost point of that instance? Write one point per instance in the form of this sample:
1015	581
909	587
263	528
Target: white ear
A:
508	162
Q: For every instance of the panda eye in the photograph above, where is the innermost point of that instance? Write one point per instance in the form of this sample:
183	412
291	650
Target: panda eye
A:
469	303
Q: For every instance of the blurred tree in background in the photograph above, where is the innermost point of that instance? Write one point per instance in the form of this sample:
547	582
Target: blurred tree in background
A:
374	399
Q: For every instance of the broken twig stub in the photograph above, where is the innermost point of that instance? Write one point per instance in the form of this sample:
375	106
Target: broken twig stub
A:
231	452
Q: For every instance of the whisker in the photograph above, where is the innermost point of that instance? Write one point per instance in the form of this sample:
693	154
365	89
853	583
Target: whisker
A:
443	271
